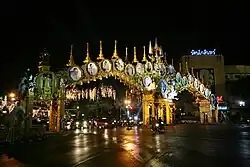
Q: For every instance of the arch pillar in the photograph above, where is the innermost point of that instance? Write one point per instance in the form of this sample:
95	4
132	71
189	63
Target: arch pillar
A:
160	110
157	108
171	109
165	110
148	108
206	115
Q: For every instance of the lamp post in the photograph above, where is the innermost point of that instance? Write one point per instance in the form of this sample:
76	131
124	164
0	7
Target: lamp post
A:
127	104
12	96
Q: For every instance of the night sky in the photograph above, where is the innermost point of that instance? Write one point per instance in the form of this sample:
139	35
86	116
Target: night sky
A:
27	28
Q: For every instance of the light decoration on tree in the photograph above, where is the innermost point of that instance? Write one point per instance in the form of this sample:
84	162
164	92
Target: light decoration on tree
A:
91	94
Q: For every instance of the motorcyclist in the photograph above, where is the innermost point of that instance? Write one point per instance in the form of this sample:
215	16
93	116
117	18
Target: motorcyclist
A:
160	122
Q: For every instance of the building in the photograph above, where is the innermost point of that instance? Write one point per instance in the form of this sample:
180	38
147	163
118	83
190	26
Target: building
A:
235	72
210	68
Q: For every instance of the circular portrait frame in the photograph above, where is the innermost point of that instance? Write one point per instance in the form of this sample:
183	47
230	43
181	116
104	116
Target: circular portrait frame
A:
147	81
91	68
106	66
130	70
75	73
148	67
118	65
139	69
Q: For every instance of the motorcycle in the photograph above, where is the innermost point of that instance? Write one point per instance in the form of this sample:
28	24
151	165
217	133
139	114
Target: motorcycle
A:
158	128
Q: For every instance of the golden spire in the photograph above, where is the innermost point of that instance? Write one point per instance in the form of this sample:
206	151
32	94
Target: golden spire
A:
156	45
165	58
135	58
192	71
71	58
126	56
180	67
100	57
87	59
115	54
187	70
156	54
150	51
161	51
144	59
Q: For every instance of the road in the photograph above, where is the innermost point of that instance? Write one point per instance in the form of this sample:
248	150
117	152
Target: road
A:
183	145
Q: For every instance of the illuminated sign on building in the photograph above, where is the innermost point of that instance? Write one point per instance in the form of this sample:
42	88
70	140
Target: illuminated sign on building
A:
203	52
223	108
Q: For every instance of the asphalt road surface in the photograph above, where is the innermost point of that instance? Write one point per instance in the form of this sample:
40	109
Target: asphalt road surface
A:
183	145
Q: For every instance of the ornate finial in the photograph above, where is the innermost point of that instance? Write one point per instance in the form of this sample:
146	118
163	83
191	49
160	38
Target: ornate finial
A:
71	50
180	70
87	59
172	62
150	51
115	54
144	59
156	54
71	58
135	58
192	71
187	71
100	57
156	45
165	58
161	51
126	55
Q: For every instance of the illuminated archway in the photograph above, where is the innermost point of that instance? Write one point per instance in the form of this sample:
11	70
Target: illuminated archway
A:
150	76
158	81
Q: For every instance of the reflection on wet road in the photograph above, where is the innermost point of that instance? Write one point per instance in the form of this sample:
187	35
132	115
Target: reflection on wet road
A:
184	145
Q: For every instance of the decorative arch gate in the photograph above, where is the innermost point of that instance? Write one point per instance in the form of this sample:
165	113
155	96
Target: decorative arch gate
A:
157	80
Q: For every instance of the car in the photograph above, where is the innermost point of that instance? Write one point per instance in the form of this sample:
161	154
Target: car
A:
102	123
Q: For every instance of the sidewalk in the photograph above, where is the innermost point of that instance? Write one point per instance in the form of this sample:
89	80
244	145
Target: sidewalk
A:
5	161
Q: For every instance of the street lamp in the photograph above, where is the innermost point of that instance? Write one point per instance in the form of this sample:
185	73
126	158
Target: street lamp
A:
12	96
127	103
